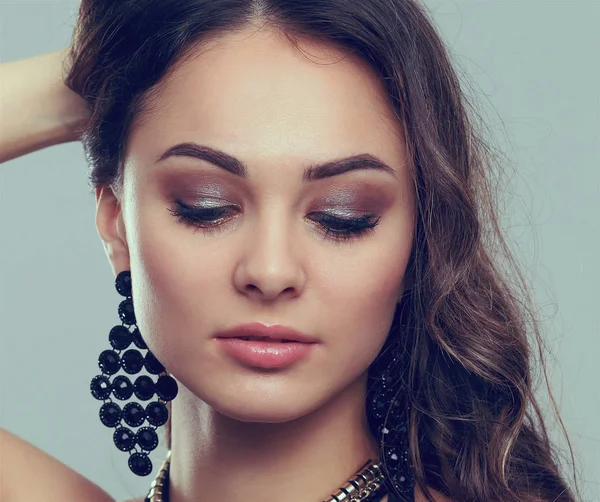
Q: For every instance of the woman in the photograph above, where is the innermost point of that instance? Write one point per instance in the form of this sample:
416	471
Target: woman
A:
305	172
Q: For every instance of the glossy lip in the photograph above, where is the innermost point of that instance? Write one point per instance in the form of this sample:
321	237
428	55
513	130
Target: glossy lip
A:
275	332
268	354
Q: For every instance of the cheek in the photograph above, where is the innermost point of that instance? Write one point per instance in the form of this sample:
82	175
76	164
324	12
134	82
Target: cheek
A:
175	277
360	299
363	292
368	298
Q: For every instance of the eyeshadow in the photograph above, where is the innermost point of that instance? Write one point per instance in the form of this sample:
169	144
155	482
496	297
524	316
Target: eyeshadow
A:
354	195
195	184
359	197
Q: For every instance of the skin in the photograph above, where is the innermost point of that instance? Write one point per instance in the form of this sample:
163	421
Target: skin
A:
254	96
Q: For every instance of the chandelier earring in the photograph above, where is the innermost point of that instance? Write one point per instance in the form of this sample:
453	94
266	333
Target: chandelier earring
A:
130	361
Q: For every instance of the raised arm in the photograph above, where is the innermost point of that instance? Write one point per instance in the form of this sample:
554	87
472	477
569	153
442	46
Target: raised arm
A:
36	109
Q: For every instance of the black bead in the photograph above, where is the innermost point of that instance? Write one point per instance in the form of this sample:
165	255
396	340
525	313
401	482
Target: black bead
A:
124	438
157	413
122	387
403	482
133	414
380	406
391	432
385	433
388	380
100	387
109	362
110	414
120	337
132	361
166	388
140	464
123	283
126	312
147	438
392	458
138	340
152	364
144	388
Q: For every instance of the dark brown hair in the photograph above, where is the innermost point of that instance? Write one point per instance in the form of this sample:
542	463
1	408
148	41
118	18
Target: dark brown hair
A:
476	431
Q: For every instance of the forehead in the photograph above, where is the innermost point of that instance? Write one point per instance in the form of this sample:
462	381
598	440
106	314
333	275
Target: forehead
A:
254	93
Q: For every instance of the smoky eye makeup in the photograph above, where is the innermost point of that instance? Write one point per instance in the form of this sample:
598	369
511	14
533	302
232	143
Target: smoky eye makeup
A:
353	199
333	227
198	188
340	213
341	197
341	209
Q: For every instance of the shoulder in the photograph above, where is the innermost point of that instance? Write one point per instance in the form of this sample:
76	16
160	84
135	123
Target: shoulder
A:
35	475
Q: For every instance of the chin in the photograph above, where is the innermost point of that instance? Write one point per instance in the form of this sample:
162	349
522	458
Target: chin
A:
261	411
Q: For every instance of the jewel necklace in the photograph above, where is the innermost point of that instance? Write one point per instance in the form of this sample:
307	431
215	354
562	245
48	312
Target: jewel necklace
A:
365	486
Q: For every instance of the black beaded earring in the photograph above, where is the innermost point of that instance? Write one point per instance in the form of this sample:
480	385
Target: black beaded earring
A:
388	410
121	387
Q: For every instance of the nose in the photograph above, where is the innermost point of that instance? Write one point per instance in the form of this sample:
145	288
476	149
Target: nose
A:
270	263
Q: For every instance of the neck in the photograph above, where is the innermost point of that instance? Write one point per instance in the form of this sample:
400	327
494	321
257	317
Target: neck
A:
308	458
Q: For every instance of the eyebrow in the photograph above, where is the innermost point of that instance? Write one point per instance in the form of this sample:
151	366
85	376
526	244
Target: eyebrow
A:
311	173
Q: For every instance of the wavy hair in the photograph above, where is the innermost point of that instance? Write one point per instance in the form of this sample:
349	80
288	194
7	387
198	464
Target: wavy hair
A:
476	431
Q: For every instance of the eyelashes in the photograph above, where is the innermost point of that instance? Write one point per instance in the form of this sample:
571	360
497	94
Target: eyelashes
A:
346	228
332	227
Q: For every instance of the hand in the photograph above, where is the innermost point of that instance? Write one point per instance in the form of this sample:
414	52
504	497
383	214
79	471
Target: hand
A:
37	109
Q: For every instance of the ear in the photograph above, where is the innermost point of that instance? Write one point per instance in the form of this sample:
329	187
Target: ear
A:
109	222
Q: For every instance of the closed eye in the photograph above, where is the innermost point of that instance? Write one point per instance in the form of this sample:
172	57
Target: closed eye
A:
333	227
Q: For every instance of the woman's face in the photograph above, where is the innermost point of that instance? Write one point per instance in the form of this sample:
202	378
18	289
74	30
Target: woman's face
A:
268	257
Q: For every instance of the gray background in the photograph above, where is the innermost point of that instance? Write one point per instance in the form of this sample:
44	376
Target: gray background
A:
534	67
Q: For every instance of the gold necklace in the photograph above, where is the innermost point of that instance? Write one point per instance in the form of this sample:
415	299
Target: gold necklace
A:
366	481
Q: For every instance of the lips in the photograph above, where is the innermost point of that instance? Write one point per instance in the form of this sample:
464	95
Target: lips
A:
263	339
259	331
